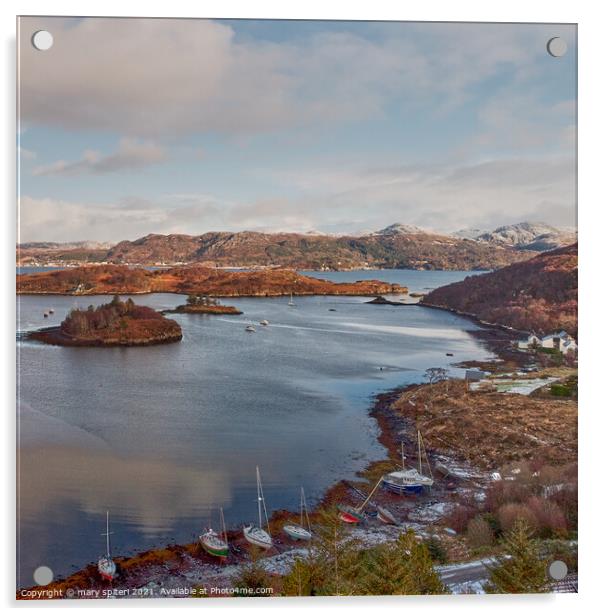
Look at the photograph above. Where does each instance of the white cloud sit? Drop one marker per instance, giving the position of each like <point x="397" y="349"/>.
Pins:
<point x="150" y="77"/>
<point x="438" y="197"/>
<point x="130" y="154"/>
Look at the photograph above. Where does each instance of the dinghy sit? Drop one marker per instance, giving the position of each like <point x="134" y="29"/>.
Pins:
<point x="385" y="516"/>
<point x="298" y="531"/>
<point x="256" y="535"/>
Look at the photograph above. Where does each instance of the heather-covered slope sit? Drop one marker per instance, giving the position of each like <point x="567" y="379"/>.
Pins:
<point x="110" y="279"/>
<point x="537" y="295"/>
<point x="397" y="246"/>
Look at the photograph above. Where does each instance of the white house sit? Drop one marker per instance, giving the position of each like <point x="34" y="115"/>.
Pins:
<point x="530" y="343"/>
<point x="561" y="341"/>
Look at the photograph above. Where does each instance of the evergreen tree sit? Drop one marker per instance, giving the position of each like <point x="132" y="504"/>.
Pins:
<point x="253" y="576"/>
<point x="523" y="571"/>
<point x="401" y="568"/>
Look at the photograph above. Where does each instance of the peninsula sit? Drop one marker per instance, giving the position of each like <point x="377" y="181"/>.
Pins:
<point x="191" y="280"/>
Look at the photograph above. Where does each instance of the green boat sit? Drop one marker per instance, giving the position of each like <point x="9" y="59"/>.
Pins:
<point x="214" y="543"/>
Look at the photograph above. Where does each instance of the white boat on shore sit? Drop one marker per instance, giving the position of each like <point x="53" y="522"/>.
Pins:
<point x="410" y="480"/>
<point x="298" y="531"/>
<point x="256" y="535"/>
<point x="106" y="565"/>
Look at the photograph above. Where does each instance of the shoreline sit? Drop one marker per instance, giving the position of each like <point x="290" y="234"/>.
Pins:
<point x="145" y="567"/>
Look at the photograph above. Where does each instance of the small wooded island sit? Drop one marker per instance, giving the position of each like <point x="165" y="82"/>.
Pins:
<point x="118" y="323"/>
<point x="201" y="304"/>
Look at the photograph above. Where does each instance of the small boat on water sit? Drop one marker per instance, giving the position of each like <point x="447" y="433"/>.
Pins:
<point x="45" y="315"/>
<point x="385" y="516"/>
<point x="256" y="535"/>
<point x="354" y="515"/>
<point x="264" y="322"/>
<point x="216" y="544"/>
<point x="298" y="531"/>
<point x="250" y="328"/>
<point x="106" y="566"/>
<point x="51" y="311"/>
<point x="410" y="480"/>
<point x="290" y="301"/>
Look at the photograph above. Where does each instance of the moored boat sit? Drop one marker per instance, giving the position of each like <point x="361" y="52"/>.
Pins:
<point x="354" y="515"/>
<point x="385" y="516"/>
<point x="106" y="565"/>
<point x="349" y="514"/>
<point x="298" y="531"/>
<point x="250" y="328"/>
<point x="290" y="301"/>
<point x="216" y="544"/>
<point x="256" y="535"/>
<point x="410" y="480"/>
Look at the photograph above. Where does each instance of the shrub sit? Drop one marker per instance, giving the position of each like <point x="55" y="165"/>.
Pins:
<point x="479" y="533"/>
<point x="549" y="516"/>
<point x="510" y="514"/>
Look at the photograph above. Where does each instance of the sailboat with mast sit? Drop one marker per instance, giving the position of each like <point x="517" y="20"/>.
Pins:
<point x="298" y="531"/>
<point x="106" y="565"/>
<point x="290" y="301"/>
<point x="256" y="535"/>
<point x="354" y="515"/>
<point x="410" y="480"/>
<point x="214" y="543"/>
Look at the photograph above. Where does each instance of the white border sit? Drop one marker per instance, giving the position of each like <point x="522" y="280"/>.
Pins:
<point x="582" y="12"/>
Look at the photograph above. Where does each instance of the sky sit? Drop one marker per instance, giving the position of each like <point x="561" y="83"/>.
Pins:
<point x="136" y="126"/>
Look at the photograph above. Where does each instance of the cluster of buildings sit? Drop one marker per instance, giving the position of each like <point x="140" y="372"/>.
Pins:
<point x="561" y="341"/>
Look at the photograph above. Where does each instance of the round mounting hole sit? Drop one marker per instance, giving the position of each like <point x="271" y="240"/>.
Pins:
<point x="43" y="575"/>
<point x="557" y="47"/>
<point x="558" y="570"/>
<point x="42" y="40"/>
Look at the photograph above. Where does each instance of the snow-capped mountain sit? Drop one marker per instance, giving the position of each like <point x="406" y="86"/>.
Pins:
<point x="529" y="236"/>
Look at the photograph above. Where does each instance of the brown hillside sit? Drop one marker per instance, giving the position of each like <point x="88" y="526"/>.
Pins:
<point x="537" y="295"/>
<point x="110" y="279"/>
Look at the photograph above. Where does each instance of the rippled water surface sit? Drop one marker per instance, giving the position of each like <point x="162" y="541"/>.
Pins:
<point x="163" y="435"/>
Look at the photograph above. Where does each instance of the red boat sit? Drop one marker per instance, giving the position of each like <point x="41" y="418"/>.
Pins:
<point x="350" y="515"/>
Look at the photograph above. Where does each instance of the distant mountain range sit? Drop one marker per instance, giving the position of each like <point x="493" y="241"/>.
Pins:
<point x="536" y="236"/>
<point x="539" y="294"/>
<point x="396" y="246"/>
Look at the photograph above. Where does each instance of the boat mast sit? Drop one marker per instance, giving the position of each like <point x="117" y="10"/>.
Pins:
<point x="419" y="455"/>
<point x="425" y="456"/>
<point x="304" y="505"/>
<point x="258" y="496"/>
<point x="370" y="495"/>
<point x="107" y="535"/>
<point x="403" y="458"/>
<point x="224" y="532"/>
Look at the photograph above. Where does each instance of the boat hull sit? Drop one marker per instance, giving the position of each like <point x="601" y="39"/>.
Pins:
<point x="403" y="489"/>
<point x="212" y="550"/>
<point x="349" y="515"/>
<point x="257" y="537"/>
<point x="107" y="569"/>
<point x="296" y="532"/>
<point x="385" y="516"/>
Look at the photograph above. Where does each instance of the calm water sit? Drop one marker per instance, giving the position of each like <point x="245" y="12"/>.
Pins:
<point x="163" y="435"/>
